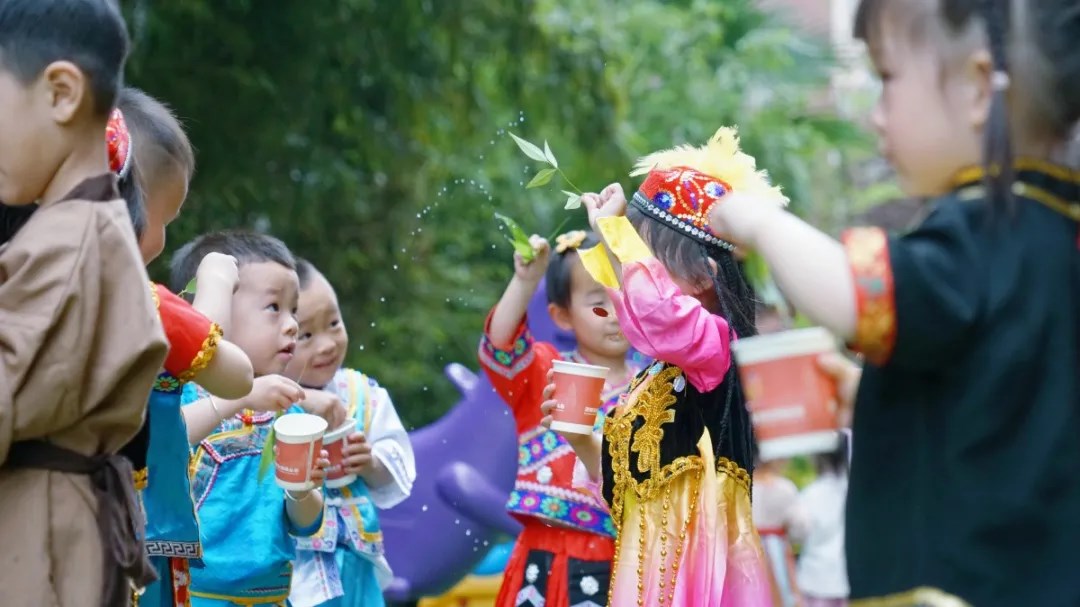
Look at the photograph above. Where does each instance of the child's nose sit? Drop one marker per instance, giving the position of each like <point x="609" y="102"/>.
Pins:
<point x="291" y="327"/>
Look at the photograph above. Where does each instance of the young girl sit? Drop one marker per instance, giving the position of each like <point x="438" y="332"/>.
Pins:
<point x="343" y="564"/>
<point x="563" y="555"/>
<point x="822" y="569"/>
<point x="150" y="154"/>
<point x="774" y="500"/>
<point x="962" y="486"/>
<point x="676" y="458"/>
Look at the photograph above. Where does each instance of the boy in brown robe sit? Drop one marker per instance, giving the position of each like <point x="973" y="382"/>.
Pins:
<point x="80" y="341"/>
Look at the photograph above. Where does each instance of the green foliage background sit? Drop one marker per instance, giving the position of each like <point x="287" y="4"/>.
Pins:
<point x="370" y="136"/>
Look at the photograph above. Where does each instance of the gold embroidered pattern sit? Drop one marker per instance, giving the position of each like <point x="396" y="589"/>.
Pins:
<point x="141" y="478"/>
<point x="205" y="355"/>
<point x="919" y="597"/>
<point x="875" y="325"/>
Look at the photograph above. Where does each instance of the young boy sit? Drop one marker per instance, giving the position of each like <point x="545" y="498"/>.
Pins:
<point x="246" y="523"/>
<point x="343" y="565"/>
<point x="80" y="341"/>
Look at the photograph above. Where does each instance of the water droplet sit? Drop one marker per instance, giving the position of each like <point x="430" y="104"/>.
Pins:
<point x="468" y="532"/>
<point x="372" y="325"/>
<point x="361" y="346"/>
<point x="382" y="299"/>
<point x="457" y="521"/>
<point x="395" y="266"/>
<point x="423" y="508"/>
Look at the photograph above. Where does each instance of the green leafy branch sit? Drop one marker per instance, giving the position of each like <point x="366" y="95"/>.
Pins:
<point x="518" y="238"/>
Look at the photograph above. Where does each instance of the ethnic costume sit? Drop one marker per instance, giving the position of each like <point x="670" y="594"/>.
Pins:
<point x="80" y="344"/>
<point x="160" y="453"/>
<point x="677" y="454"/>
<point x="343" y="565"/>
<point x="562" y="558"/>
<point x="963" y="488"/>
<point x="248" y="539"/>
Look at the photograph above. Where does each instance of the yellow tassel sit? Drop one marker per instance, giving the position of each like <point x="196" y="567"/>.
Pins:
<point x="719" y="158"/>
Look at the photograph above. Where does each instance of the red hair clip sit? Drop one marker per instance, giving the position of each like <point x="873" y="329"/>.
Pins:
<point x="118" y="141"/>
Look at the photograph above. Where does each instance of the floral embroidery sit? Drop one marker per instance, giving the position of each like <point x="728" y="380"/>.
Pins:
<point x="554" y="507"/>
<point x="140" y="478"/>
<point x="511" y="361"/>
<point x="875" y="328"/>
<point x="167" y="383"/>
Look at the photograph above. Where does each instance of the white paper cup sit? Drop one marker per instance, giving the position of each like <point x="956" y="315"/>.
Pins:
<point x="335" y="442"/>
<point x="791" y="400"/>
<point x="299" y="441"/>
<point x="578" y="390"/>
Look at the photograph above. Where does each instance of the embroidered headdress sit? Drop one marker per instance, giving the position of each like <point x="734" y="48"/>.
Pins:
<point x="118" y="141"/>
<point x="683" y="184"/>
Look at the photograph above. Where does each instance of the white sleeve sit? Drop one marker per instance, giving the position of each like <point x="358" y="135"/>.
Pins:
<point x="391" y="446"/>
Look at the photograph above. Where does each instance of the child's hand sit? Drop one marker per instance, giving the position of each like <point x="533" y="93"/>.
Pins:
<point x="318" y="469"/>
<point x="611" y="202"/>
<point x="326" y="405"/>
<point x="534" y="270"/>
<point x="737" y="217"/>
<point x="272" y="393"/>
<point x="847" y="375"/>
<point x="217" y="270"/>
<point x="358" y="457"/>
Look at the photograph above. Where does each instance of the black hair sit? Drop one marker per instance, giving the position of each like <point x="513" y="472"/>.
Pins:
<point x="557" y="279"/>
<point x="89" y="33"/>
<point x="835" y="461"/>
<point x="157" y="139"/>
<point x="688" y="258"/>
<point x="1049" y="27"/>
<point x="305" y="272"/>
<point x="246" y="247"/>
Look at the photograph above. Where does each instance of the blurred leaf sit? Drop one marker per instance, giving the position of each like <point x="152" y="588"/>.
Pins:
<point x="542" y="178"/>
<point x="549" y="156"/>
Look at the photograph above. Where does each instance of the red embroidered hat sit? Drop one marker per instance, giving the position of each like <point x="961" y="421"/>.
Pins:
<point x="118" y="140"/>
<point x="683" y="184"/>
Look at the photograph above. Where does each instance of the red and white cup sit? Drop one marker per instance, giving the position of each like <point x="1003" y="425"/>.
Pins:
<point x="298" y="438"/>
<point x="792" y="402"/>
<point x="335" y="442"/>
<point x="578" y="392"/>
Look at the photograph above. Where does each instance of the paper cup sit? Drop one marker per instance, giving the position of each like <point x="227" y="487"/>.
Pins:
<point x="335" y="442"/>
<point x="792" y="402"/>
<point x="578" y="389"/>
<point x="299" y="441"/>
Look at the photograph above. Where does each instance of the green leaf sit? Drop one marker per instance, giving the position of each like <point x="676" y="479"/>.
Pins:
<point x="190" y="288"/>
<point x="541" y="178"/>
<point x="573" y="201"/>
<point x="549" y="156"/>
<point x="266" y="459"/>
<point x="518" y="238"/>
<point x="529" y="149"/>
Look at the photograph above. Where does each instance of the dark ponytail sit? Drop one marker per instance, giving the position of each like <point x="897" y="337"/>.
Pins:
<point x="997" y="146"/>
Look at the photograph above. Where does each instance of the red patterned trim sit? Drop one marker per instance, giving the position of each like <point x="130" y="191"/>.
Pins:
<point x="875" y="292"/>
<point x="181" y="582"/>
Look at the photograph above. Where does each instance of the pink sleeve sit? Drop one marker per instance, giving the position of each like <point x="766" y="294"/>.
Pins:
<point x="661" y="322"/>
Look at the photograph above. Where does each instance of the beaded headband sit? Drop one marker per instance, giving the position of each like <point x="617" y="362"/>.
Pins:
<point x="118" y="141"/>
<point x="683" y="184"/>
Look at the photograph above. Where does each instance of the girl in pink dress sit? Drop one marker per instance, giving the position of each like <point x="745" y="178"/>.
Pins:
<point x="676" y="456"/>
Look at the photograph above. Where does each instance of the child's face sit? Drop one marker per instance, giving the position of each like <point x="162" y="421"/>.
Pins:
<point x="27" y="150"/>
<point x="323" y="341"/>
<point x="595" y="334"/>
<point x="263" y="316"/>
<point x="165" y="195"/>
<point x="930" y="115"/>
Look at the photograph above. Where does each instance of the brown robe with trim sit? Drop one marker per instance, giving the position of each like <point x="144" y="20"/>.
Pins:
<point x="80" y="345"/>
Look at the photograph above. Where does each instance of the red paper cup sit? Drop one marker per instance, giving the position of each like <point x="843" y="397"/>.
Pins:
<point x="792" y="402"/>
<point x="578" y="389"/>
<point x="335" y="442"/>
<point x="299" y="441"/>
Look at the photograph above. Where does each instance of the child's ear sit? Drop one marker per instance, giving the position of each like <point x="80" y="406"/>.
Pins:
<point x="67" y="90"/>
<point x="979" y="76"/>
<point x="560" y="316"/>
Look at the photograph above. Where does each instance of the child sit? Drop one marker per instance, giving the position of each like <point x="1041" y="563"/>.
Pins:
<point x="963" y="483"/>
<point x="147" y="158"/>
<point x="822" y="570"/>
<point x="677" y="455"/>
<point x="563" y="555"/>
<point x="343" y="564"/>
<point x="246" y="522"/>
<point x="79" y="336"/>
<point x="773" y="502"/>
